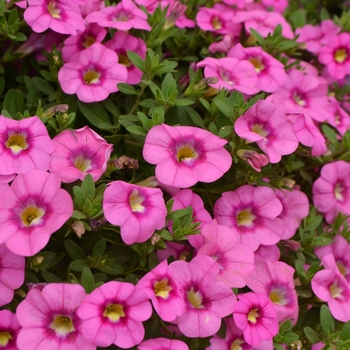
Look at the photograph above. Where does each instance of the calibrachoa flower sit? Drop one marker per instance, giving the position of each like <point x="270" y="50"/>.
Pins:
<point x="31" y="210"/>
<point x="253" y="213"/>
<point x="78" y="153"/>
<point x="161" y="288"/>
<point x="113" y="314"/>
<point x="24" y="145"/>
<point x="255" y="315"/>
<point x="139" y="211"/>
<point x="266" y="124"/>
<point x="11" y="274"/>
<point x="331" y="191"/>
<point x="49" y="319"/>
<point x="161" y="344"/>
<point x="9" y="328"/>
<point x="93" y="75"/>
<point x="185" y="155"/>
<point x="123" y="16"/>
<point x="61" y="17"/>
<point x="207" y="301"/>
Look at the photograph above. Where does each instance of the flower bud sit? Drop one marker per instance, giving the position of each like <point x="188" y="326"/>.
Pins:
<point x="78" y="227"/>
<point x="254" y="159"/>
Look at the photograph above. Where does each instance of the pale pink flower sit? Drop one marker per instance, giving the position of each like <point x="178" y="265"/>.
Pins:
<point x="232" y="74"/>
<point x="31" y="210"/>
<point x="253" y="213"/>
<point x="185" y="155"/>
<point x="9" y="329"/>
<point x="139" y="211"/>
<point x="123" y="16"/>
<point x="93" y="75"/>
<point x="49" y="319"/>
<point x="255" y="315"/>
<point x="11" y="274"/>
<point x="113" y="314"/>
<point x="331" y="287"/>
<point x="207" y="300"/>
<point x="161" y="344"/>
<point x="331" y="191"/>
<point x="161" y="288"/>
<point x="270" y="72"/>
<point x="123" y="42"/>
<point x="24" y="145"/>
<point x="266" y="124"/>
<point x="78" y="153"/>
<point x="60" y="17"/>
<point x="336" y="56"/>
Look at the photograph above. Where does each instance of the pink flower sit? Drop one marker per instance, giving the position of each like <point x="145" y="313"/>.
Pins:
<point x="78" y="153"/>
<point x="49" y="319"/>
<point x="139" y="211"/>
<point x="185" y="155"/>
<point x="161" y="344"/>
<point x="60" y="17"/>
<point x="252" y="212"/>
<point x="222" y="46"/>
<point x="256" y="316"/>
<point x="24" y="145"/>
<point x="267" y="252"/>
<point x="123" y="42"/>
<point x="123" y="16"/>
<point x="336" y="56"/>
<point x="275" y="280"/>
<point x="161" y="288"/>
<point x="266" y="124"/>
<point x="91" y="6"/>
<point x="73" y="45"/>
<point x="233" y="74"/>
<point x="236" y="260"/>
<point x="339" y="118"/>
<point x="31" y="210"/>
<point x="93" y="75"/>
<point x="331" y="287"/>
<point x="275" y="5"/>
<point x="331" y="191"/>
<point x="11" y="274"/>
<point x="113" y="314"/>
<point x="270" y="72"/>
<point x="9" y="328"/>
<point x="207" y="301"/>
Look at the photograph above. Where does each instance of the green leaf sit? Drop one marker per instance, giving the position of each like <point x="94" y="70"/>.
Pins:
<point x="79" y="196"/>
<point x="112" y="269"/>
<point x="311" y="335"/>
<point x="225" y="131"/>
<point x="345" y="332"/>
<point x="78" y="215"/>
<point x="88" y="186"/>
<point x="13" y="102"/>
<point x="329" y="133"/>
<point x="78" y="265"/>
<point x="257" y="36"/>
<point x="99" y="248"/>
<point x="127" y="89"/>
<point x="195" y="117"/>
<point x="316" y="221"/>
<point x="50" y="277"/>
<point x="96" y="115"/>
<point x="13" y="16"/>
<point x="136" y="130"/>
<point x="224" y="108"/>
<point x="183" y="102"/>
<point x="73" y="250"/>
<point x="327" y="320"/>
<point x="168" y="85"/>
<point x="87" y="280"/>
<point x="277" y="31"/>
<point x="136" y="60"/>
<point x="42" y="85"/>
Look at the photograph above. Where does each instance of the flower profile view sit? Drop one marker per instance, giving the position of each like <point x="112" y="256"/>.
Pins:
<point x="185" y="155"/>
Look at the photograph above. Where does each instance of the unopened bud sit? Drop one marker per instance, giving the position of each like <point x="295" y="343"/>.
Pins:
<point x="286" y="182"/>
<point x="36" y="261"/>
<point x="254" y="159"/>
<point x="78" y="227"/>
<point x="21" y="293"/>
<point x="149" y="182"/>
<point x="205" y="82"/>
<point x="177" y="10"/>
<point x="39" y="286"/>
<point x="293" y="245"/>
<point x="125" y="162"/>
<point x="50" y="112"/>
<point x="155" y="238"/>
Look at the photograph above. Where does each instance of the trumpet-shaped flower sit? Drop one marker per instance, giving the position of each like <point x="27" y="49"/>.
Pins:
<point x="31" y="210"/>
<point x="49" y="319"/>
<point x="9" y="328"/>
<point x="78" y="153"/>
<point x="185" y="155"/>
<point x="93" y="75"/>
<point x="161" y="344"/>
<point x="24" y="145"/>
<point x="139" y="211"/>
<point x="113" y="314"/>
<point x="11" y="274"/>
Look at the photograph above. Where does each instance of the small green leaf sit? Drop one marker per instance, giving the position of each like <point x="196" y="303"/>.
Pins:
<point x="78" y="215"/>
<point x="79" y="196"/>
<point x="42" y="85"/>
<point x="127" y="89"/>
<point x="50" y="277"/>
<point x="311" y="335"/>
<point x="87" y="280"/>
<point x="78" y="265"/>
<point x="99" y="248"/>
<point x="112" y="269"/>
<point x="88" y="186"/>
<point x="95" y="114"/>
<point x="73" y="250"/>
<point x="136" y="130"/>
<point x="195" y="117"/>
<point x="136" y="60"/>
<point x="327" y="320"/>
<point x="345" y="332"/>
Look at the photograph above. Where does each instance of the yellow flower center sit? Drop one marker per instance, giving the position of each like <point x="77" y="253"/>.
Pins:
<point x="186" y="153"/>
<point x="17" y="143"/>
<point x="259" y="129"/>
<point x="83" y="164"/>
<point x="5" y="337"/>
<point x="335" y="290"/>
<point x="340" y="55"/>
<point x="89" y="40"/>
<point x="338" y="192"/>
<point x="253" y="315"/>
<point x="236" y="345"/>
<point x="195" y="299"/>
<point x="342" y="268"/>
<point x="92" y="77"/>
<point x="277" y="297"/>
<point x="258" y="65"/>
<point x="245" y="218"/>
<point x="62" y="325"/>
<point x="32" y="215"/>
<point x="114" y="312"/>
<point x="216" y="23"/>
<point x="124" y="60"/>
<point x="53" y="10"/>
<point x="162" y="289"/>
<point x="136" y="201"/>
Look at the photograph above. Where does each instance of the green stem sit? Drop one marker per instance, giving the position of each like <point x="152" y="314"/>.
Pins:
<point x="143" y="87"/>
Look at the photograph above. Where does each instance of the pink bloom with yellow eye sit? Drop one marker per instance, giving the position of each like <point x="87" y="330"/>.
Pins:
<point x="24" y="145"/>
<point x="9" y="329"/>
<point x="31" y="210"/>
<point x="94" y="74"/>
<point x="78" y="153"/>
<point x="161" y="344"/>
